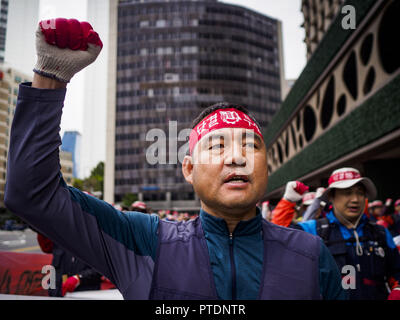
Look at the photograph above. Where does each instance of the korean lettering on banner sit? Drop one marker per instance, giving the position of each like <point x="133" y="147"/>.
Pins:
<point x="21" y="273"/>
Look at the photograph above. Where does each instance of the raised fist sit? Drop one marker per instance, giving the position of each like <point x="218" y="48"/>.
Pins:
<point x="294" y="191"/>
<point x="64" y="47"/>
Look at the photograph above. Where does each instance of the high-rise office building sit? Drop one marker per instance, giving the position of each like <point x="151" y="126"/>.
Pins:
<point x="173" y="59"/>
<point x="3" y="27"/>
<point x="71" y="142"/>
<point x="318" y="16"/>
<point x="67" y="166"/>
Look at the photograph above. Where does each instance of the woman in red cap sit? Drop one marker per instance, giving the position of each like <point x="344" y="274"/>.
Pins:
<point x="354" y="240"/>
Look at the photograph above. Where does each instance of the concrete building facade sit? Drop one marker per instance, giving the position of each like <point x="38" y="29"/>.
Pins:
<point x="67" y="166"/>
<point x="71" y="142"/>
<point x="9" y="85"/>
<point x="344" y="108"/>
<point x="318" y="16"/>
<point x="3" y="28"/>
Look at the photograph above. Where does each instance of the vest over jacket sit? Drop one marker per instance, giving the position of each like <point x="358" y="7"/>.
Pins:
<point x="290" y="268"/>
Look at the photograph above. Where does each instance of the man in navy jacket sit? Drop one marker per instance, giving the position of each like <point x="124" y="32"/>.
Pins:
<point x="229" y="252"/>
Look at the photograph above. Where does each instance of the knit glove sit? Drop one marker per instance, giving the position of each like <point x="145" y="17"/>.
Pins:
<point x="320" y="191"/>
<point x="70" y="285"/>
<point x="64" y="47"/>
<point x="294" y="191"/>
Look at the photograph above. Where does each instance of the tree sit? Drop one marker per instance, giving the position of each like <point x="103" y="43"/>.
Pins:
<point x="93" y="183"/>
<point x="128" y="199"/>
<point x="78" y="183"/>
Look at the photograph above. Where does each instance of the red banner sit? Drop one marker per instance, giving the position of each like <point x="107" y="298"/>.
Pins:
<point x="21" y="273"/>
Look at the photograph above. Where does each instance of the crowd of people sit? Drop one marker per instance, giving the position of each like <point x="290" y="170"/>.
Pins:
<point x="312" y="205"/>
<point x="357" y="233"/>
<point x="168" y="215"/>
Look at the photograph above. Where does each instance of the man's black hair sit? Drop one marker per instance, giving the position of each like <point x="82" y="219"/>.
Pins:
<point x="222" y="105"/>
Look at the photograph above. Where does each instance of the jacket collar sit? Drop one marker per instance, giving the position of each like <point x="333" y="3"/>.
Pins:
<point x="332" y="219"/>
<point x="216" y="225"/>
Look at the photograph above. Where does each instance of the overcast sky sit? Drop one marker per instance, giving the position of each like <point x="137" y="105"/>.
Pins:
<point x="287" y="11"/>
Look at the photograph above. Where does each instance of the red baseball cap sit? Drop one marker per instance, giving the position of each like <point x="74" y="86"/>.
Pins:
<point x="308" y="198"/>
<point x="139" y="204"/>
<point x="376" y="203"/>
<point x="344" y="178"/>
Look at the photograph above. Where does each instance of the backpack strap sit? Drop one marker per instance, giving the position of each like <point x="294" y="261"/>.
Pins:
<point x="323" y="229"/>
<point x="378" y="233"/>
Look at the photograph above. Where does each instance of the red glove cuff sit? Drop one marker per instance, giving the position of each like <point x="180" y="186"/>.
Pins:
<point x="69" y="33"/>
<point x="301" y="187"/>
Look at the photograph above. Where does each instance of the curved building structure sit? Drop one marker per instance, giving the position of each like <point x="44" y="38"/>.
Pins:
<point x="173" y="60"/>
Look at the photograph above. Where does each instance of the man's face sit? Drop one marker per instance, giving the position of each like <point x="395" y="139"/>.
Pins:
<point x="229" y="169"/>
<point x="397" y="208"/>
<point x="349" y="202"/>
<point x="377" y="211"/>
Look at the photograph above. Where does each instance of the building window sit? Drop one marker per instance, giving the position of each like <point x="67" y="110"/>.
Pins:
<point x="161" y="23"/>
<point x="144" y="24"/>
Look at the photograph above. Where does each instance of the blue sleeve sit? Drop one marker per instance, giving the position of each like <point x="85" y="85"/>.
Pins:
<point x="389" y="240"/>
<point x="309" y="226"/>
<point x="312" y="210"/>
<point x="120" y="246"/>
<point x="135" y="230"/>
<point x="329" y="277"/>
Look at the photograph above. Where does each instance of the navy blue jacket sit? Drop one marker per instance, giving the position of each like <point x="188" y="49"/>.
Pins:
<point x="123" y="246"/>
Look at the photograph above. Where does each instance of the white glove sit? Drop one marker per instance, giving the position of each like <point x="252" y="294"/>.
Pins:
<point x="64" y="47"/>
<point x="320" y="191"/>
<point x="294" y="191"/>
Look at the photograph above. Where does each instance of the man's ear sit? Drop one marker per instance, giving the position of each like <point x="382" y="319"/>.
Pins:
<point x="187" y="169"/>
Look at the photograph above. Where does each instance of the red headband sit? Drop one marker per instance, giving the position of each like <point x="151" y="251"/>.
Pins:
<point x="341" y="176"/>
<point x="219" y="119"/>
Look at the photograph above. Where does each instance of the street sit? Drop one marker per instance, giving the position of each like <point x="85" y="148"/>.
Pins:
<point x="19" y="241"/>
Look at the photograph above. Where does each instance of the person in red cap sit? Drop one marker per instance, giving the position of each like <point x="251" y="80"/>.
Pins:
<point x="139" y="206"/>
<point x="229" y="252"/>
<point x="285" y="213"/>
<point x="396" y="219"/>
<point x="376" y="208"/>
<point x="354" y="240"/>
<point x="317" y="208"/>
<point x="380" y="213"/>
<point x="397" y="207"/>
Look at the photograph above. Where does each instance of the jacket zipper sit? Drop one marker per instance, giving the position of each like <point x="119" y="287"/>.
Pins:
<point x="233" y="269"/>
